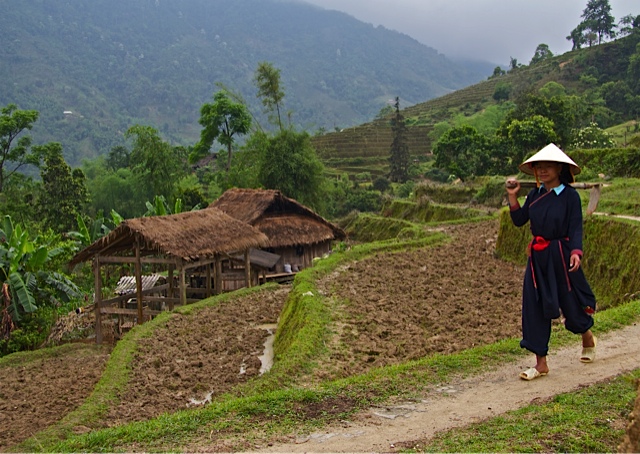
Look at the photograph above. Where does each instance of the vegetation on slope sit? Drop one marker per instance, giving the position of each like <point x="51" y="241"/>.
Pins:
<point x="114" y="64"/>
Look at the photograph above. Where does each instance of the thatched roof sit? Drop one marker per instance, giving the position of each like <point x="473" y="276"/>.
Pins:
<point x="190" y="236"/>
<point x="285" y="221"/>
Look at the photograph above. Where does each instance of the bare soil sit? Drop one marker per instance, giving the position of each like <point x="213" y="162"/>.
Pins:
<point x="390" y="308"/>
<point x="196" y="357"/>
<point x="407" y="305"/>
<point x="36" y="393"/>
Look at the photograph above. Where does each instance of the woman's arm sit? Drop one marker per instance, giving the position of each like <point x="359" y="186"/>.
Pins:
<point x="575" y="230"/>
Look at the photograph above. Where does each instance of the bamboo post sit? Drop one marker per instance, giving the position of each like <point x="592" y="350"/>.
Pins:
<point x="217" y="284"/>
<point x="171" y="286"/>
<point x="97" y="298"/>
<point x="183" y="285"/>
<point x="139" y="283"/>
<point x="247" y="268"/>
<point x="208" y="277"/>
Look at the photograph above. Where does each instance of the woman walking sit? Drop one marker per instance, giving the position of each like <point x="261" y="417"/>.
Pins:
<point x="554" y="282"/>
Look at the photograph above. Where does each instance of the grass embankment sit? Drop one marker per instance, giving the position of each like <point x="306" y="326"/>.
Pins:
<point x="276" y="404"/>
<point x="620" y="196"/>
<point x="408" y="220"/>
<point x="590" y="420"/>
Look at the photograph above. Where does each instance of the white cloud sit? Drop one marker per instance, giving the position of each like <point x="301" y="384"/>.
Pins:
<point x="493" y="30"/>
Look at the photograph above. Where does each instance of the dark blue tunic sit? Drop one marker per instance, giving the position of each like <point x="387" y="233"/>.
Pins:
<point x="549" y="287"/>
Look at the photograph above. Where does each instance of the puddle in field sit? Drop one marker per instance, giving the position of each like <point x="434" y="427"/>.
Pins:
<point x="266" y="359"/>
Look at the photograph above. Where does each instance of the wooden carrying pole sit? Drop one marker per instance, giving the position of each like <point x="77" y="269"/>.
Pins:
<point x="594" y="195"/>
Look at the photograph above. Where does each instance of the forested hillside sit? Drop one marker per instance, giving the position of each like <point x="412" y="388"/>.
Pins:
<point x="592" y="86"/>
<point x="112" y="64"/>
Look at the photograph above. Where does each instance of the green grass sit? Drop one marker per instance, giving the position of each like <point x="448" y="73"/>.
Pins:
<point x="620" y="196"/>
<point x="590" y="420"/>
<point x="19" y="359"/>
<point x="624" y="132"/>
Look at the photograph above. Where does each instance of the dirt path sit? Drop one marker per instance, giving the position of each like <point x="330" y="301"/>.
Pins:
<point x="474" y="399"/>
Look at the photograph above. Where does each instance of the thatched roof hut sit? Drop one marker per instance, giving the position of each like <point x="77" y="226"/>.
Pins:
<point x="295" y="231"/>
<point x="284" y="220"/>
<point x="189" y="236"/>
<point x="181" y="242"/>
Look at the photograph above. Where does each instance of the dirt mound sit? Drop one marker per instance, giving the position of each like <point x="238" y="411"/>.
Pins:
<point x="37" y="393"/>
<point x="403" y="306"/>
<point x="198" y="356"/>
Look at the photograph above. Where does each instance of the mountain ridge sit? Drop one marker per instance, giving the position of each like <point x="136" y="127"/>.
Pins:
<point x="118" y="63"/>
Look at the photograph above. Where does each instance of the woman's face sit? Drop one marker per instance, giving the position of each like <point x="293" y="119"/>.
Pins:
<point x="548" y="172"/>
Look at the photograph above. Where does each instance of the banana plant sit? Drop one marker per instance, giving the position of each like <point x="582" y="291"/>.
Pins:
<point x="160" y="207"/>
<point x="116" y="218"/>
<point x="23" y="270"/>
<point x="86" y="235"/>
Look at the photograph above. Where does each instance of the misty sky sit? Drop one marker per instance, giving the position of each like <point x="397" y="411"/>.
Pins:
<point x="492" y="30"/>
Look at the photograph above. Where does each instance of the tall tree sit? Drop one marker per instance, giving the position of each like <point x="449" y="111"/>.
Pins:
<point x="290" y="164"/>
<point x="597" y="18"/>
<point x="156" y="161"/>
<point x="577" y="37"/>
<point x="628" y="24"/>
<point x="12" y="123"/>
<point x="558" y="110"/>
<point x="64" y="191"/>
<point x="530" y="134"/>
<point x="463" y="152"/>
<point x="223" y="120"/>
<point x="118" y="158"/>
<point x="542" y="53"/>
<point x="399" y="155"/>
<point x="267" y="79"/>
<point x="18" y="197"/>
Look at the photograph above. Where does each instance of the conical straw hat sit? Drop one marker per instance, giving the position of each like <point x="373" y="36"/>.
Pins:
<point x="549" y="153"/>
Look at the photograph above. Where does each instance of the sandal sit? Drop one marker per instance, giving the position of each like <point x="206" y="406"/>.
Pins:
<point x="531" y="374"/>
<point x="589" y="353"/>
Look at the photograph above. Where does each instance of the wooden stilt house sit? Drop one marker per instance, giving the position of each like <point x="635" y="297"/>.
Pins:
<point x="296" y="233"/>
<point x="183" y="244"/>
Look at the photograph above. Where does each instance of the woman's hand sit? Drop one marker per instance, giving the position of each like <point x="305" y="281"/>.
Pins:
<point x="513" y="186"/>
<point x="574" y="262"/>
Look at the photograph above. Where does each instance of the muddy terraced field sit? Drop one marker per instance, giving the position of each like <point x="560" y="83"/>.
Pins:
<point x="389" y="308"/>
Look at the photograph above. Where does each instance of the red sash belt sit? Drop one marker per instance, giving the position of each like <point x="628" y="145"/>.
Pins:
<point x="539" y="243"/>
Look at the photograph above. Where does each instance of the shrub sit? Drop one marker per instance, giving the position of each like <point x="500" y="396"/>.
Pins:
<point x="381" y="184"/>
<point x="614" y="162"/>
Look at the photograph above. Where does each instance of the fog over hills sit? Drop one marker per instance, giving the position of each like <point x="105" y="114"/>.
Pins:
<point x="113" y="63"/>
